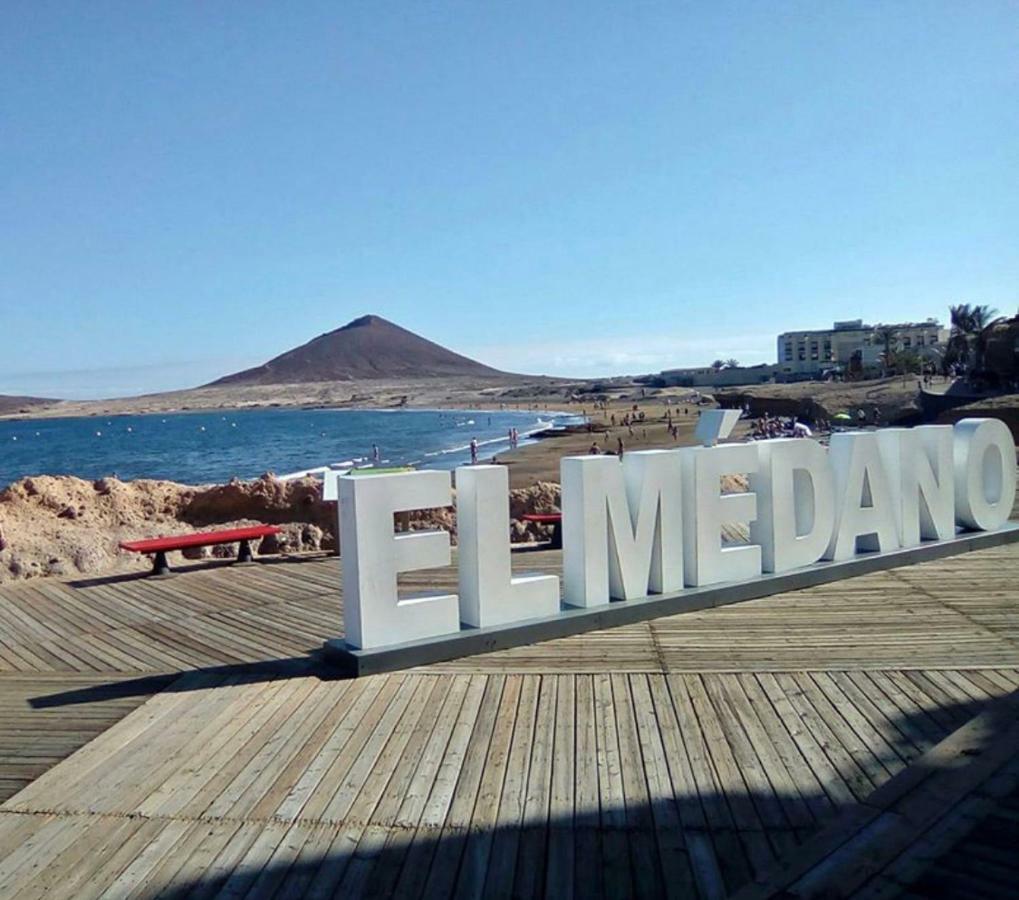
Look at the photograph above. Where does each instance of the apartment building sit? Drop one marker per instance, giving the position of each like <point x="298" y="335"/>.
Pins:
<point x="812" y="353"/>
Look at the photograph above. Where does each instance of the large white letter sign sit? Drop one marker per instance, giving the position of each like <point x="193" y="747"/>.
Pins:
<point x="984" y="473"/>
<point x="864" y="511"/>
<point x="489" y="595"/>
<point x="795" y="503"/>
<point x="622" y="526"/>
<point x="706" y="509"/>
<point x="373" y="613"/>
<point x="918" y="462"/>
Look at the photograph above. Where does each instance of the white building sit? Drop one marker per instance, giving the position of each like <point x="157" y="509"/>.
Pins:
<point x="810" y="353"/>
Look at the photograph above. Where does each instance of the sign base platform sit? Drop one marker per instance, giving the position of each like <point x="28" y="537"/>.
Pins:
<point x="574" y="620"/>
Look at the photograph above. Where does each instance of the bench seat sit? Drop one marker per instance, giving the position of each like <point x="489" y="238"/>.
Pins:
<point x="162" y="545"/>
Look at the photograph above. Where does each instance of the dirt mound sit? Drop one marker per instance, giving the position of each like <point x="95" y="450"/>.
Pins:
<point x="64" y="526"/>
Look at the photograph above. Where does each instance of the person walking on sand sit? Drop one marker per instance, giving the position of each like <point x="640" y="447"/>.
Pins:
<point x="619" y="447"/>
<point x="474" y="451"/>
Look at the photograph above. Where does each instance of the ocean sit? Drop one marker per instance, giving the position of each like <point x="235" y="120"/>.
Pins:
<point x="211" y="447"/>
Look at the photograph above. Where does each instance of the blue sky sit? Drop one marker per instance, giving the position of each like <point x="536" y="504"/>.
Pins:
<point x="572" y="188"/>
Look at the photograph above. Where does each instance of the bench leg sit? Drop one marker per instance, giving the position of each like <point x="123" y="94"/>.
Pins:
<point x="244" y="553"/>
<point x="159" y="564"/>
<point x="557" y="536"/>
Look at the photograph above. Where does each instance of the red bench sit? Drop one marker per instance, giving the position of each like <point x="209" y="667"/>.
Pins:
<point x="554" y="519"/>
<point x="162" y="545"/>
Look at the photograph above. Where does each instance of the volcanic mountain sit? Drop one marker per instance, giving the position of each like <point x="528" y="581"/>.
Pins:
<point x="12" y="404"/>
<point x="368" y="347"/>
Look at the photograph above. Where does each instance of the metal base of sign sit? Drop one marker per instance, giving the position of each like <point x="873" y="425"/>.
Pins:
<point x="573" y="620"/>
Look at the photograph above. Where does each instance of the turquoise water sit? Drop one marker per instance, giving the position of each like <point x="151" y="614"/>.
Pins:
<point x="203" y="447"/>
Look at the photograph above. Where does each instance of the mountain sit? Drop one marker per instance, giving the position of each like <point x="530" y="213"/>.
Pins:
<point x="10" y="404"/>
<point x="369" y="347"/>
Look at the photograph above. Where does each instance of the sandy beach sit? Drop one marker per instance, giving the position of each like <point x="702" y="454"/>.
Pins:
<point x="540" y="461"/>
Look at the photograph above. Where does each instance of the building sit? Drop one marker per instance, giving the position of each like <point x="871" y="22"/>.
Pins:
<point x="813" y="353"/>
<point x="706" y="376"/>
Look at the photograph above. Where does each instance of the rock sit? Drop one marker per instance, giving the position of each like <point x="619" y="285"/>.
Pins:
<point x="57" y="567"/>
<point x="68" y="512"/>
<point x="89" y="560"/>
<point x="294" y="538"/>
<point x="543" y="497"/>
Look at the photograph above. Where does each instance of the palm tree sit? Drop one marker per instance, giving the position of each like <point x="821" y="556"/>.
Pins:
<point x="961" y="319"/>
<point x="732" y="363"/>
<point x="971" y="326"/>
<point x="718" y="365"/>
<point x="983" y="321"/>
<point x="888" y="336"/>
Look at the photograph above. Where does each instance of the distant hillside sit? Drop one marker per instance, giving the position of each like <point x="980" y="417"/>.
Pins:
<point x="369" y="347"/>
<point x="10" y="404"/>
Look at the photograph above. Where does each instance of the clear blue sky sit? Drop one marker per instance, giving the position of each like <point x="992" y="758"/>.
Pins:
<point x="577" y="188"/>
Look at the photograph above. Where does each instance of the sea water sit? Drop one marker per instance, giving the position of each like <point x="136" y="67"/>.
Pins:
<point x="208" y="447"/>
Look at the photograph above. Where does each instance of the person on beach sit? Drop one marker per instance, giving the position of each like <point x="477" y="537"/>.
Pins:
<point x="474" y="451"/>
<point x="619" y="447"/>
<point x="594" y="449"/>
<point x="376" y="456"/>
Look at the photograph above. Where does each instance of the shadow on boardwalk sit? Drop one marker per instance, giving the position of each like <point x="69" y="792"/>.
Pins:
<point x="194" y="679"/>
<point x="709" y="842"/>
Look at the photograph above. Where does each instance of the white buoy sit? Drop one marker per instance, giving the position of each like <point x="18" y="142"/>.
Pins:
<point x="99" y="434"/>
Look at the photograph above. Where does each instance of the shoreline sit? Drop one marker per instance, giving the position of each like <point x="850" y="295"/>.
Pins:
<point x="383" y="395"/>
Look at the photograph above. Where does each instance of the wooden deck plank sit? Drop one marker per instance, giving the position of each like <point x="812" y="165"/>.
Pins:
<point x="678" y="756"/>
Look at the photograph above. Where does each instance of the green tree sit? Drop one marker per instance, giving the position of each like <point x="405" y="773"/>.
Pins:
<point x="961" y="321"/>
<point x="984" y="320"/>
<point x="717" y="365"/>
<point x="732" y="363"/>
<point x="971" y="327"/>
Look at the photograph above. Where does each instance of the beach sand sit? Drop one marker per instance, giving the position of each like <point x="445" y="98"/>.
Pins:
<point x="540" y="461"/>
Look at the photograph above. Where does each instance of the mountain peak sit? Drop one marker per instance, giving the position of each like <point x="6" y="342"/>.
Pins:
<point x="361" y="321"/>
<point x="365" y="348"/>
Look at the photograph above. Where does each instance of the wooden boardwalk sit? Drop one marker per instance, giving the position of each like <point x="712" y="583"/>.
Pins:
<point x="694" y="756"/>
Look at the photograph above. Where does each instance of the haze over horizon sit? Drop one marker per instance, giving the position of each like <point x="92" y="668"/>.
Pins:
<point x="586" y="190"/>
